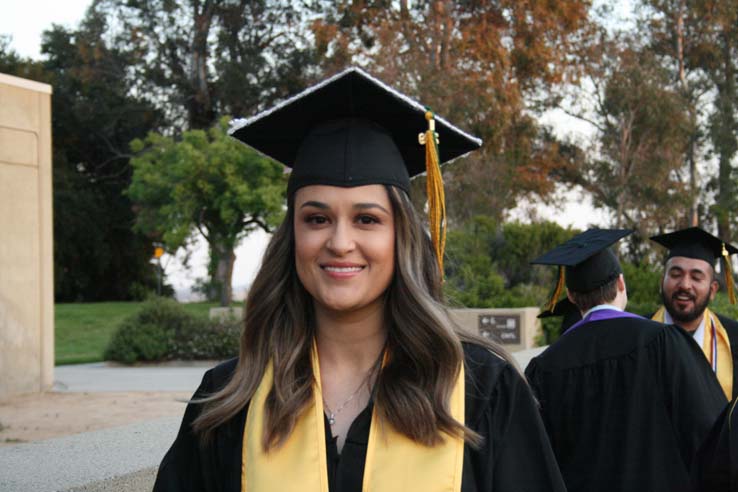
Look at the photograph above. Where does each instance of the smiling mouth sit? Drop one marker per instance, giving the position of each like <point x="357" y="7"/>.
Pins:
<point x="683" y="298"/>
<point x="334" y="269"/>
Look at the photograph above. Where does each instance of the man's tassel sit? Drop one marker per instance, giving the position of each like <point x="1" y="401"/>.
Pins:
<point x="729" y="284"/>
<point x="557" y="291"/>
<point x="434" y="189"/>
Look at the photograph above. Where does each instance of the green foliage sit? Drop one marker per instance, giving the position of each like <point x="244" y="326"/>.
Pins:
<point x="722" y="305"/>
<point x="206" y="182"/>
<point x="488" y="266"/>
<point x="83" y="330"/>
<point x="163" y="329"/>
<point x="643" y="282"/>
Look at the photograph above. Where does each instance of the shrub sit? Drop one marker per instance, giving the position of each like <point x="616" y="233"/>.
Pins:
<point x="163" y="330"/>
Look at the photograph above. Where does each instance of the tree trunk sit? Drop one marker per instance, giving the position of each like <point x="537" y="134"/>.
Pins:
<point x="693" y="218"/>
<point x="724" y="139"/>
<point x="224" y="258"/>
<point x="200" y="105"/>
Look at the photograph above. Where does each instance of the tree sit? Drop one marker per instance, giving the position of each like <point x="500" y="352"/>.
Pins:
<point x="702" y="37"/>
<point x="643" y="128"/>
<point x="200" y="59"/>
<point x="209" y="183"/>
<point x="482" y="65"/>
<point x="94" y="116"/>
<point x="673" y="34"/>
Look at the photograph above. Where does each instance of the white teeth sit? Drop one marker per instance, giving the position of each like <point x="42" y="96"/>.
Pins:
<point x="342" y="269"/>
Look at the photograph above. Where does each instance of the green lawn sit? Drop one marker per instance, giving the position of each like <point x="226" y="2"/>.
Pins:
<point x="83" y="330"/>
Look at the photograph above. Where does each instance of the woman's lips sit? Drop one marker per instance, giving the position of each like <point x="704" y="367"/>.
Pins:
<point x="342" y="270"/>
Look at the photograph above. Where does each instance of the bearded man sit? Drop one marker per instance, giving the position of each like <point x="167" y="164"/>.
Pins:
<point x="688" y="286"/>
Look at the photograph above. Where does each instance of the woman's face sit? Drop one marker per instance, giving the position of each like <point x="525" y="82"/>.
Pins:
<point x="344" y="245"/>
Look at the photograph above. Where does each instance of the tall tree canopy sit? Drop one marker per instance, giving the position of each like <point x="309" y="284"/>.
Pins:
<point x="635" y="166"/>
<point x="484" y="65"/>
<point x="699" y="41"/>
<point x="201" y="59"/>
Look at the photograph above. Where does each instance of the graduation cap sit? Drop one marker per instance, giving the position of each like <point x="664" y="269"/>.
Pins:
<point x="564" y="309"/>
<point x="699" y="244"/>
<point x="354" y="130"/>
<point x="585" y="262"/>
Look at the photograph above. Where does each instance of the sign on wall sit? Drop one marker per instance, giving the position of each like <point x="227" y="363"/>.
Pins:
<point x="502" y="328"/>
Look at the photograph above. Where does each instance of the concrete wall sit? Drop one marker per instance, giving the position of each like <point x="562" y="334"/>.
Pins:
<point x="26" y="249"/>
<point x="515" y="329"/>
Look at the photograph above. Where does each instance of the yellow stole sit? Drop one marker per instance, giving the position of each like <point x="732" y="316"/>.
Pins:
<point x="724" y="370"/>
<point x="393" y="463"/>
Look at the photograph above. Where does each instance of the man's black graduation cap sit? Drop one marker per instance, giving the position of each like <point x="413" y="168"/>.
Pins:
<point x="350" y="130"/>
<point x="562" y="308"/>
<point x="696" y="243"/>
<point x="585" y="261"/>
<point x="566" y="310"/>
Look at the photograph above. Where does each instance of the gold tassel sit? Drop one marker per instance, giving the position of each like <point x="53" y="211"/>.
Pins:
<point x="434" y="189"/>
<point x="557" y="291"/>
<point x="729" y="285"/>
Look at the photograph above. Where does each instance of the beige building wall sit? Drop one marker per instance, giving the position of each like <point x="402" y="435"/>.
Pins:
<point x="26" y="248"/>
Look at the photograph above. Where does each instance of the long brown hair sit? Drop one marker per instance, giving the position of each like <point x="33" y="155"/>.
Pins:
<point x="424" y="345"/>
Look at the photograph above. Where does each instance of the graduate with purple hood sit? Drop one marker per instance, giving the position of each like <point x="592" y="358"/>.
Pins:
<point x="626" y="401"/>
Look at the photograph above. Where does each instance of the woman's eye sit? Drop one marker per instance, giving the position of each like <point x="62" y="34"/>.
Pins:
<point x="367" y="220"/>
<point x="316" y="219"/>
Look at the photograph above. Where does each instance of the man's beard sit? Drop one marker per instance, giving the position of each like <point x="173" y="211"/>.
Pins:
<point x="685" y="316"/>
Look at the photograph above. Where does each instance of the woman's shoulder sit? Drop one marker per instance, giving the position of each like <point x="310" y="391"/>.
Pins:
<point x="495" y="388"/>
<point x="486" y="370"/>
<point x="480" y="358"/>
<point x="217" y="377"/>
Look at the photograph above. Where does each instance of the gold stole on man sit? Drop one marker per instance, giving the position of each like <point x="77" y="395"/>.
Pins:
<point x="724" y="370"/>
<point x="394" y="463"/>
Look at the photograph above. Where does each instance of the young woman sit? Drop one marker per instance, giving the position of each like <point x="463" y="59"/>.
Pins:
<point x="351" y="374"/>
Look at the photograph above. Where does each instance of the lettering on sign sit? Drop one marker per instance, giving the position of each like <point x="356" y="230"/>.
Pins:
<point x="502" y="328"/>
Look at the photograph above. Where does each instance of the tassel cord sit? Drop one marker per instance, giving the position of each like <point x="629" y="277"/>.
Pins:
<point x="435" y="192"/>
<point x="729" y="283"/>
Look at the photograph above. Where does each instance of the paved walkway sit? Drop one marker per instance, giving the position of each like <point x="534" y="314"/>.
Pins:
<point x="103" y="377"/>
<point x="84" y="459"/>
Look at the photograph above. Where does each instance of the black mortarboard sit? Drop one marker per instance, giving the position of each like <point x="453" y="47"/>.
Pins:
<point x="696" y="243"/>
<point x="585" y="261"/>
<point x="562" y="308"/>
<point x="354" y="130"/>
<point x="350" y="130"/>
<point x="567" y="310"/>
<point x="699" y="244"/>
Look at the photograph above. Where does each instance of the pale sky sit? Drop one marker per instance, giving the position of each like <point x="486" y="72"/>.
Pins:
<point x="25" y="20"/>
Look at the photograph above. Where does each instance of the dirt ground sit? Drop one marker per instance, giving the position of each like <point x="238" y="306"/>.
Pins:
<point x="34" y="417"/>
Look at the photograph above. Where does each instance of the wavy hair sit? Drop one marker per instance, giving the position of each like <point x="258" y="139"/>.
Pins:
<point x="424" y="345"/>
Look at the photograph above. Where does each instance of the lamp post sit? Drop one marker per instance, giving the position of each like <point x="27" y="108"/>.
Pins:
<point x="158" y="253"/>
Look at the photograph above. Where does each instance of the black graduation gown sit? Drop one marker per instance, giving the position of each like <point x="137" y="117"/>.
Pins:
<point x="716" y="467"/>
<point x="731" y="327"/>
<point x="626" y="403"/>
<point x="516" y="455"/>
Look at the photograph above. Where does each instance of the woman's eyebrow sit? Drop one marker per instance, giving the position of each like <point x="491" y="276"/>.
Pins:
<point x="366" y="206"/>
<point x="316" y="204"/>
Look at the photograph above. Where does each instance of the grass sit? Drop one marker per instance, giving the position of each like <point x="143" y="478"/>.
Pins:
<point x="83" y="330"/>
